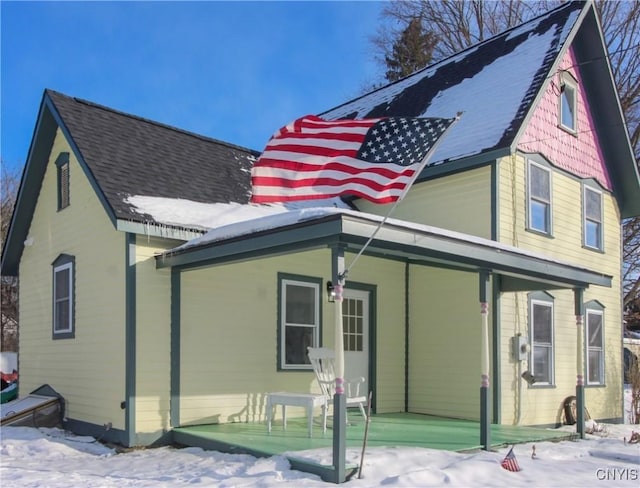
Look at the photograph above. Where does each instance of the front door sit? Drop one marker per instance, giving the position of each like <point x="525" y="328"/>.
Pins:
<point x="355" y="322"/>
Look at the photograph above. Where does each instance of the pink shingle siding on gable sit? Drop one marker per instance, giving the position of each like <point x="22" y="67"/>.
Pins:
<point x="578" y="154"/>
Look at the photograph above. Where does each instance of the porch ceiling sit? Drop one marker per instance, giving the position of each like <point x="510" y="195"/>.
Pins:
<point x="519" y="270"/>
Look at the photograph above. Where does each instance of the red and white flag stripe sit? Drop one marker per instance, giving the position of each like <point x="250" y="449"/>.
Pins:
<point x="315" y="159"/>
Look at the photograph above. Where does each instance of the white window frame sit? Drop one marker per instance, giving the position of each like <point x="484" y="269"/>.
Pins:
<point x="586" y="219"/>
<point x="63" y="331"/>
<point x="548" y="347"/>
<point x="596" y="348"/>
<point x="568" y="92"/>
<point x="315" y="285"/>
<point x="531" y="199"/>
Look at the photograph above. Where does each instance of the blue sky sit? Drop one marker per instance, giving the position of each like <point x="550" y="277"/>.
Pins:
<point x="235" y="71"/>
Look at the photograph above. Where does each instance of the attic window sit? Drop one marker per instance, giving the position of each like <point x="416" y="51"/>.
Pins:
<point x="62" y="163"/>
<point x="568" y="103"/>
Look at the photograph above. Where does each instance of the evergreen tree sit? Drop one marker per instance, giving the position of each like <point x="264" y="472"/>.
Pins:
<point x="412" y="51"/>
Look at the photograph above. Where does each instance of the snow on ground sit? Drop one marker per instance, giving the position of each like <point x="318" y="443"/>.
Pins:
<point x="52" y="458"/>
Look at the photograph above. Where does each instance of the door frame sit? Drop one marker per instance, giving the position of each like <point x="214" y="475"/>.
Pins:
<point x="373" y="292"/>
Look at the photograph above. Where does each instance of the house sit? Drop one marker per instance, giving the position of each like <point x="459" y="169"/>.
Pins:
<point x="502" y="262"/>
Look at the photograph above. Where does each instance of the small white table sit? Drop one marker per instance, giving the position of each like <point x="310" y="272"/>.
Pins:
<point x="306" y="400"/>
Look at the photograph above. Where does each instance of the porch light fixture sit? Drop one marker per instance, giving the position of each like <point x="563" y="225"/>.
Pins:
<point x="331" y="294"/>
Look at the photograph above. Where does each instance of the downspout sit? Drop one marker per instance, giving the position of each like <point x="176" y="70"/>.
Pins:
<point x="579" y="311"/>
<point x="129" y="403"/>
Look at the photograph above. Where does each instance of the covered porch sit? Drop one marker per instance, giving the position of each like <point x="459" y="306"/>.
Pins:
<point x="301" y="241"/>
<point x="385" y="430"/>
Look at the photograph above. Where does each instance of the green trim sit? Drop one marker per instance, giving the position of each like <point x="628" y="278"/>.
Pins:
<point x="326" y="472"/>
<point x="495" y="199"/>
<point x="80" y="427"/>
<point x="63" y="179"/>
<point x="280" y="319"/>
<point x="30" y="184"/>
<point x="174" y="402"/>
<point x="497" y="350"/>
<point x="63" y="260"/>
<point x="373" y="327"/>
<point x="130" y="341"/>
<point x="462" y="165"/>
<point x="402" y="240"/>
<point x="407" y="322"/>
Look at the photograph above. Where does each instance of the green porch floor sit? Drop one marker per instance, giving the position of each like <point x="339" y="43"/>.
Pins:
<point x="400" y="429"/>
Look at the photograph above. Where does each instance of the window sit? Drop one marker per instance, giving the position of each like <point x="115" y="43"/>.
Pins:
<point x="63" y="297"/>
<point x="353" y="324"/>
<point x="62" y="163"/>
<point x="592" y="212"/>
<point x="568" y="104"/>
<point x="299" y="320"/>
<point x="541" y="337"/>
<point x="594" y="344"/>
<point x="539" y="196"/>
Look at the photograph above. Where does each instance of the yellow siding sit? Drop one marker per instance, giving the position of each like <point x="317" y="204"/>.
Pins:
<point x="543" y="405"/>
<point x="153" y="336"/>
<point x="460" y="202"/>
<point x="89" y="369"/>
<point x="444" y="343"/>
<point x="229" y="336"/>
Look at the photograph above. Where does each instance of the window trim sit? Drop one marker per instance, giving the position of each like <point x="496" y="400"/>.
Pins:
<point x="567" y="80"/>
<point x="530" y="199"/>
<point x="596" y="308"/>
<point x="285" y="279"/>
<point x="63" y="262"/>
<point x="546" y="300"/>
<point x="63" y="180"/>
<point x="585" y="189"/>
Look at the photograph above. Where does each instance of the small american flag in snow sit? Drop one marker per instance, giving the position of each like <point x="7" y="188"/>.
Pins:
<point x="510" y="463"/>
<point x="376" y="159"/>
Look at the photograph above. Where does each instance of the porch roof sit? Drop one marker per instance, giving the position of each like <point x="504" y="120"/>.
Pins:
<point x="317" y="228"/>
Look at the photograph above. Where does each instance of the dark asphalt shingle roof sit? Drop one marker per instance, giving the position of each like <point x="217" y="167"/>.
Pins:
<point x="129" y="155"/>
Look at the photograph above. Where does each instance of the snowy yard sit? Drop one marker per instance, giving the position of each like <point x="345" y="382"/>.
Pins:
<point x="52" y="458"/>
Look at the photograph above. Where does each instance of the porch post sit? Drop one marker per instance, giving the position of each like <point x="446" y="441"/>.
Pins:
<point x="339" y="399"/>
<point x="485" y="423"/>
<point x="578" y="294"/>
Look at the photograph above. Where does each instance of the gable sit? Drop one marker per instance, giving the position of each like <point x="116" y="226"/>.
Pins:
<point x="578" y="153"/>
<point x="493" y="84"/>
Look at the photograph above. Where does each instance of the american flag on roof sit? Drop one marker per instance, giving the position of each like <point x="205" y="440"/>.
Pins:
<point x="376" y="159"/>
<point x="510" y="463"/>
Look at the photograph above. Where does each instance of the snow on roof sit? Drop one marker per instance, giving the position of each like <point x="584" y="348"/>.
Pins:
<point x="492" y="84"/>
<point x="281" y="219"/>
<point x="207" y="216"/>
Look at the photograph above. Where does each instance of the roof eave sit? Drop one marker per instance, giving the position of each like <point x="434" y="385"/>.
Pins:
<point x="522" y="270"/>
<point x="30" y="183"/>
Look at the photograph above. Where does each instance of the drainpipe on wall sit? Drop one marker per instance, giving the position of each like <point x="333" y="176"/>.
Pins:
<point x="485" y="424"/>
<point x="579" y="311"/>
